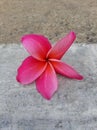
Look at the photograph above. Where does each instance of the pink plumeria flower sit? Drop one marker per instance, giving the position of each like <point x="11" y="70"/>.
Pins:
<point x="44" y="63"/>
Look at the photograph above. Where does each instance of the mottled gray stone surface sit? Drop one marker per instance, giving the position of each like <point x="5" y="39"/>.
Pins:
<point x="73" y="107"/>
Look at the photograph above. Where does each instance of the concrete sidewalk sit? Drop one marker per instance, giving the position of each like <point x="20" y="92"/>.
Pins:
<point x="73" y="107"/>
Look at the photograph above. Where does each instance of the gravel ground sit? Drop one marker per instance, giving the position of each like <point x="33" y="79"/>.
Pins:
<point x="53" y="18"/>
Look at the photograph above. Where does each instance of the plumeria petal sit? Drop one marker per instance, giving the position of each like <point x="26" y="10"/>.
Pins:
<point x="66" y="70"/>
<point x="36" y="45"/>
<point x="30" y="70"/>
<point x="47" y="83"/>
<point x="61" y="46"/>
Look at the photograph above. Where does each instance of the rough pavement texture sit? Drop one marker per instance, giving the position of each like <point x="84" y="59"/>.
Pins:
<point x="53" y="18"/>
<point x="73" y="107"/>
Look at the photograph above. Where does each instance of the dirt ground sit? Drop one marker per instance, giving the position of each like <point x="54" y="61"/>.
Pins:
<point x="53" y="18"/>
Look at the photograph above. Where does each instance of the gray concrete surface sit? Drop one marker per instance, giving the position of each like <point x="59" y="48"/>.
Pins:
<point x="73" y="107"/>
